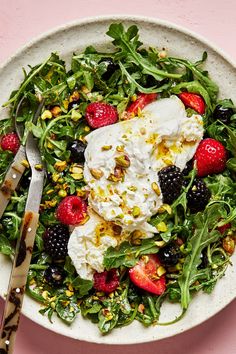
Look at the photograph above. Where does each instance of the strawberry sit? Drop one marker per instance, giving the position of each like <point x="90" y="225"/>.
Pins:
<point x="194" y="101"/>
<point x="144" y="275"/>
<point x="100" y="114"/>
<point x="71" y="210"/>
<point x="210" y="157"/>
<point x="10" y="142"/>
<point x="142" y="100"/>
<point x="106" y="281"/>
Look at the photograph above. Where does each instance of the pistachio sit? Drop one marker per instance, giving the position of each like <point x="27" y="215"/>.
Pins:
<point x="136" y="211"/>
<point x="160" y="243"/>
<point x="120" y="148"/>
<point x="56" y="111"/>
<point x="76" y="169"/>
<point x="156" y="189"/>
<point x="62" y="193"/>
<point x="117" y="175"/>
<point x="132" y="188"/>
<point x="46" y="115"/>
<point x="229" y="244"/>
<point x="25" y="163"/>
<point x="38" y="167"/>
<point x="77" y="176"/>
<point x="143" y="131"/>
<point x="106" y="147"/>
<point x="75" y="115"/>
<point x="60" y="166"/>
<point x="96" y="173"/>
<point x="74" y="96"/>
<point x="161" y="227"/>
<point x="160" y="271"/>
<point x="122" y="161"/>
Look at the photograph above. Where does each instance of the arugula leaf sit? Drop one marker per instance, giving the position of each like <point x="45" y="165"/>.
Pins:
<point x="127" y="255"/>
<point x="5" y="246"/>
<point x="203" y="235"/>
<point x="128" y="43"/>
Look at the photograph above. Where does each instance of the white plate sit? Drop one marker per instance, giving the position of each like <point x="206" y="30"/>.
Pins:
<point x="179" y="42"/>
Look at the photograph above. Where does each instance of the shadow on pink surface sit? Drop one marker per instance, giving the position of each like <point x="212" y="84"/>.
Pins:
<point x="202" y="339"/>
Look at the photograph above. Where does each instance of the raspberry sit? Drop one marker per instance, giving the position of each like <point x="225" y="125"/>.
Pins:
<point x="106" y="281"/>
<point x="10" y="142"/>
<point x="54" y="275"/>
<point x="210" y="157"/>
<point x="198" y="196"/>
<point x="56" y="239"/>
<point x="99" y="114"/>
<point x="71" y="210"/>
<point x="171" y="181"/>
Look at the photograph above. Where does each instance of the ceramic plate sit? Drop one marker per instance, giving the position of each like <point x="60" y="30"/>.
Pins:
<point x="179" y="42"/>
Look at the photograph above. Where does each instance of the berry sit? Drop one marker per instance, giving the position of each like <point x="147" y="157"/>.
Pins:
<point x="77" y="149"/>
<point x="111" y="68"/>
<point x="100" y="114"/>
<point x="224" y="228"/>
<point x="194" y="101"/>
<point x="10" y="142"/>
<point x="188" y="168"/>
<point x="210" y="157"/>
<point x="56" y="239"/>
<point x="71" y="210"/>
<point x="145" y="275"/>
<point x="106" y="281"/>
<point x="25" y="180"/>
<point x="73" y="105"/>
<point x="171" y="181"/>
<point x="204" y="259"/>
<point x="223" y="113"/>
<point x="142" y="100"/>
<point x="54" y="275"/>
<point x="198" y="195"/>
<point x="169" y="255"/>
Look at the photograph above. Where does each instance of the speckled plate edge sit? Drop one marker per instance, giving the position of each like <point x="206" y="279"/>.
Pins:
<point x="135" y="333"/>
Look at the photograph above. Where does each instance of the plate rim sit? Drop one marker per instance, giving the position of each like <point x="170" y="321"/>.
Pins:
<point x="116" y="17"/>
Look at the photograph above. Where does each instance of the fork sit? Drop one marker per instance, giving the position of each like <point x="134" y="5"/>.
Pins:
<point x="24" y="248"/>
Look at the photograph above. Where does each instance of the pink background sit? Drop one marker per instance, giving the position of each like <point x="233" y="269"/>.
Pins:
<point x="20" y="21"/>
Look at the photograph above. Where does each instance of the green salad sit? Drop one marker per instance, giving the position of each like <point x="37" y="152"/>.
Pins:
<point x="178" y="240"/>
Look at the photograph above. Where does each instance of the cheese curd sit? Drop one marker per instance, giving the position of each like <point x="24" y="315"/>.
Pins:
<point x="121" y="171"/>
<point x="122" y="161"/>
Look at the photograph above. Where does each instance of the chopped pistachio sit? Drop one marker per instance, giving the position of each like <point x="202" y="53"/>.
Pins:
<point x="62" y="193"/>
<point x="106" y="147"/>
<point x="69" y="293"/>
<point x="86" y="129"/>
<point x="133" y="98"/>
<point x="132" y="188"/>
<point x="38" y="167"/>
<point x="25" y="163"/>
<point x="160" y="243"/>
<point x="120" y="148"/>
<point x="122" y="161"/>
<point x="156" y="189"/>
<point x="76" y="169"/>
<point x="77" y="176"/>
<point x="160" y="271"/>
<point x="75" y="115"/>
<point x="60" y="166"/>
<point x="161" y="227"/>
<point x="45" y="294"/>
<point x="50" y="191"/>
<point x="136" y="211"/>
<point x="53" y="305"/>
<point x="74" y="96"/>
<point x="96" y="173"/>
<point x="143" y="131"/>
<point x="46" y="115"/>
<point x="56" y="111"/>
<point x="165" y="207"/>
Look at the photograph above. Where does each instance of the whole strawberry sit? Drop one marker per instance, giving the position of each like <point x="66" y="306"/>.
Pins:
<point x="100" y="114"/>
<point x="210" y="157"/>
<point x="71" y="210"/>
<point x="10" y="142"/>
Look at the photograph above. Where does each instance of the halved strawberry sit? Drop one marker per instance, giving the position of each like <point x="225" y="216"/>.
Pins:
<point x="142" y="100"/>
<point x="144" y="275"/>
<point x="194" y="101"/>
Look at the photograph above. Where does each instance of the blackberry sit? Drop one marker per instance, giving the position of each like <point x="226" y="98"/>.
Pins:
<point x="204" y="259"/>
<point x="198" y="196"/>
<point x="77" y="148"/>
<point x="169" y="255"/>
<point x="111" y="68"/>
<point x="223" y="113"/>
<point x="56" y="239"/>
<point x="54" y="275"/>
<point x="171" y="181"/>
<point x="73" y="105"/>
<point x="188" y="168"/>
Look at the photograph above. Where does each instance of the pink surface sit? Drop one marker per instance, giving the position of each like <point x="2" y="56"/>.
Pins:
<point x="20" y="21"/>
